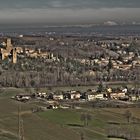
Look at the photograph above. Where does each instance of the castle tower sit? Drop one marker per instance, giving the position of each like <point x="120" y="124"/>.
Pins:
<point x="9" y="44"/>
<point x="2" y="56"/>
<point x="14" y="56"/>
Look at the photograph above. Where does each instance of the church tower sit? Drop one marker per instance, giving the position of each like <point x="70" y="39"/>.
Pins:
<point x="14" y="56"/>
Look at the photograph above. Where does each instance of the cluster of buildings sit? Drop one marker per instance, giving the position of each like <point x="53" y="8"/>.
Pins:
<point x="126" y="62"/>
<point x="32" y="53"/>
<point x="89" y="95"/>
<point x="10" y="52"/>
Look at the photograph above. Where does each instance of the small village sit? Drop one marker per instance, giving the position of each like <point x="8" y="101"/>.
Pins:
<point x="55" y="99"/>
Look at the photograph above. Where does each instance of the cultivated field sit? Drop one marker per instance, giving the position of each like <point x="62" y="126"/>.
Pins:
<point x="60" y="124"/>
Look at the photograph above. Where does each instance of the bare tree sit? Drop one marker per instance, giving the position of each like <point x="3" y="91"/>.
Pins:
<point x="128" y="115"/>
<point x="85" y="118"/>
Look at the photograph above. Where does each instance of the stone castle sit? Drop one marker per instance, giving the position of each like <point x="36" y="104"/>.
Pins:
<point x="8" y="51"/>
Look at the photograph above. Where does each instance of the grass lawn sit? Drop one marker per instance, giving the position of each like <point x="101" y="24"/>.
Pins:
<point x="62" y="116"/>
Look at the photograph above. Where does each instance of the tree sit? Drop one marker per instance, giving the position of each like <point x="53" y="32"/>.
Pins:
<point x="110" y="65"/>
<point x="128" y="115"/>
<point x="85" y="118"/>
<point x="100" y="87"/>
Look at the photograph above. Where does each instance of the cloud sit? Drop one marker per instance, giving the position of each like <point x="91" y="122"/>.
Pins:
<point x="69" y="4"/>
<point x="68" y="11"/>
<point x="88" y="15"/>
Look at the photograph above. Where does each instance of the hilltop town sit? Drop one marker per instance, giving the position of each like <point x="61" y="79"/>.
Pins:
<point x="69" y="60"/>
<point x="9" y="52"/>
<point x="50" y="61"/>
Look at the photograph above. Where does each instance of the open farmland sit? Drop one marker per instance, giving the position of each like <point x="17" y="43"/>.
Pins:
<point x="59" y="124"/>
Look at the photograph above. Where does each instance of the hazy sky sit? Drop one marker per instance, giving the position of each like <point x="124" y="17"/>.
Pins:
<point x="69" y="11"/>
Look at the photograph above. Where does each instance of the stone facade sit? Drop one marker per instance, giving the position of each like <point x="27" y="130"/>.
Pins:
<point x="8" y="51"/>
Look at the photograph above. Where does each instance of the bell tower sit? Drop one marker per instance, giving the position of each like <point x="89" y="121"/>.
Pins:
<point x="14" y="56"/>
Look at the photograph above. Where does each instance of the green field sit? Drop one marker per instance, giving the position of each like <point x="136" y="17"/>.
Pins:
<point x="60" y="124"/>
